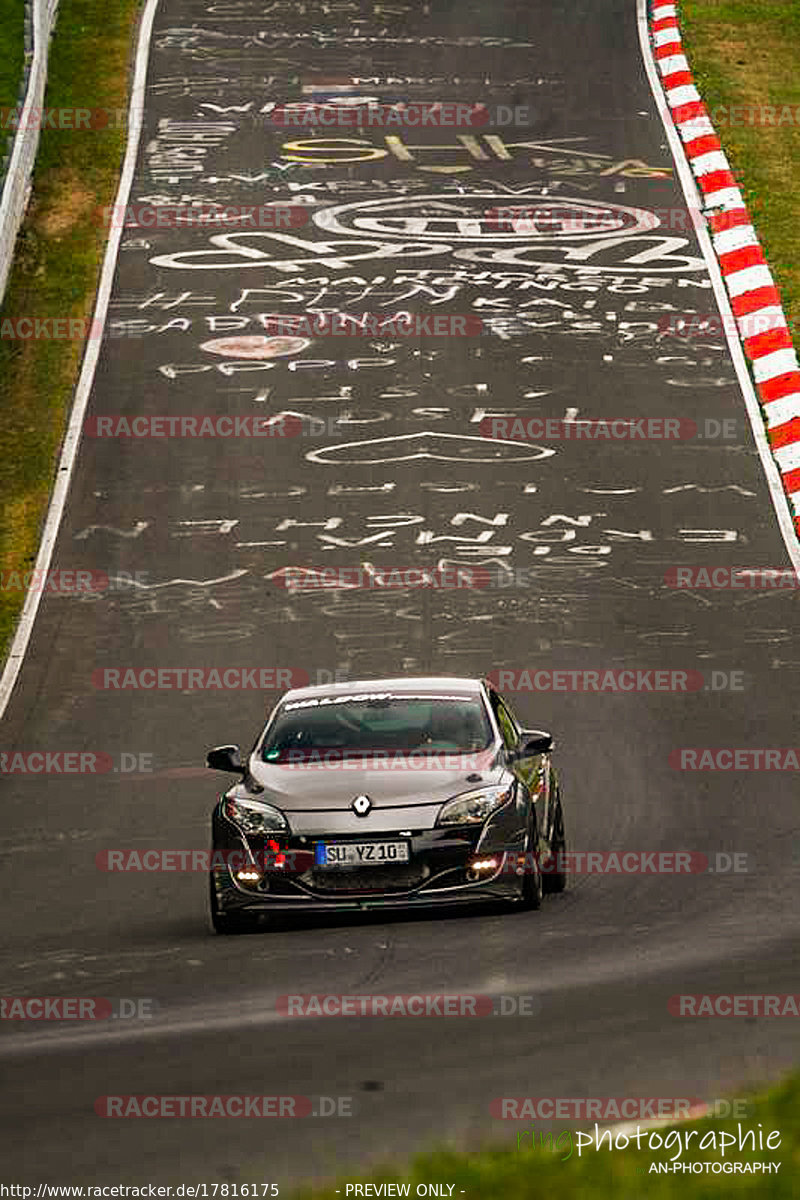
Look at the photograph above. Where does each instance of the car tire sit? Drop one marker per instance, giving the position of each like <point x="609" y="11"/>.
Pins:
<point x="227" y="923"/>
<point x="532" y="885"/>
<point x="556" y="881"/>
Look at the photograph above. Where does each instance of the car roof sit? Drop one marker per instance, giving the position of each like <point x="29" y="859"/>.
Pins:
<point x="423" y="685"/>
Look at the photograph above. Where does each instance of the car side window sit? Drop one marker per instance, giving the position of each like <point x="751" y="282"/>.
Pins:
<point x="508" y="726"/>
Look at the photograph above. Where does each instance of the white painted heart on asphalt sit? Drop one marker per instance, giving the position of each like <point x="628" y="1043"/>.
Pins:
<point x="446" y="447"/>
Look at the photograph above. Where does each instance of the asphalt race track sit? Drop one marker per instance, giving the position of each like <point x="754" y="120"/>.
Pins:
<point x="577" y="535"/>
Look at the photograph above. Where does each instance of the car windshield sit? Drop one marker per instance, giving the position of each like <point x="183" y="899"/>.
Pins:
<point x="363" y="724"/>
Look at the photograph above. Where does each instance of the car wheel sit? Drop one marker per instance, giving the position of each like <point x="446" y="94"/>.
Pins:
<point x="532" y="887"/>
<point x="556" y="881"/>
<point x="227" y="923"/>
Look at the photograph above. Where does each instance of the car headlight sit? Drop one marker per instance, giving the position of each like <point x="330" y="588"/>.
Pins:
<point x="253" y="817"/>
<point x="474" y="807"/>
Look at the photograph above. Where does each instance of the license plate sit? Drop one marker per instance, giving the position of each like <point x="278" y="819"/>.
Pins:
<point x="360" y="854"/>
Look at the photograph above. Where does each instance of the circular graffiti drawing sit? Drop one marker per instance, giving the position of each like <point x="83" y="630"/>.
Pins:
<point x="485" y="216"/>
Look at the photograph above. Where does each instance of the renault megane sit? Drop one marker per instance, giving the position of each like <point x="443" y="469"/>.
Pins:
<point x="391" y="793"/>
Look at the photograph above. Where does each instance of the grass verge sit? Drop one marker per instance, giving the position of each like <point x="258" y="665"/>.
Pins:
<point x="624" y="1173"/>
<point x="12" y="61"/>
<point x="56" y="270"/>
<point x="12" y="51"/>
<point x="746" y="53"/>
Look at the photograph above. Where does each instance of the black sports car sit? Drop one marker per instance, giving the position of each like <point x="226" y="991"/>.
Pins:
<point x="386" y="793"/>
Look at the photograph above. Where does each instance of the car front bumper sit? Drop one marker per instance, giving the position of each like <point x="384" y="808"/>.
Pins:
<point x="437" y="873"/>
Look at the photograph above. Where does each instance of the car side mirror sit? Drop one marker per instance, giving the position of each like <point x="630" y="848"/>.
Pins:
<point x="534" y="741"/>
<point x="225" y="758"/>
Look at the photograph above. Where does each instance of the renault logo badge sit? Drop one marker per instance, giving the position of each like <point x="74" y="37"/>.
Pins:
<point x="361" y="806"/>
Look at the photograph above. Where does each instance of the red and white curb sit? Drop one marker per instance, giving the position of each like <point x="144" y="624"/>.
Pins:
<point x="754" y="298"/>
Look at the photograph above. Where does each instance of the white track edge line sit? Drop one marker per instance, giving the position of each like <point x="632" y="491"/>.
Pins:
<point x="72" y="436"/>
<point x="752" y="404"/>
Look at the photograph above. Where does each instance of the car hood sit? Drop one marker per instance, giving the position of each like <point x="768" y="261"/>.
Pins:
<point x="397" y="783"/>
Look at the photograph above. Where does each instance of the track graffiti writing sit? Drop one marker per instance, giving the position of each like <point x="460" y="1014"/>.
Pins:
<point x="433" y="287"/>
<point x="248" y="250"/>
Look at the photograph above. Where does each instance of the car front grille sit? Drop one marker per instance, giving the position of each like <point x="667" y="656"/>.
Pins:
<point x="400" y="878"/>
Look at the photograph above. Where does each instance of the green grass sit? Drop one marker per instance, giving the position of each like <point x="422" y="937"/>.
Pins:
<point x="12" y="59"/>
<point x="12" y="51"/>
<point x="747" y="52"/>
<point x="56" y="269"/>
<point x="621" y="1174"/>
